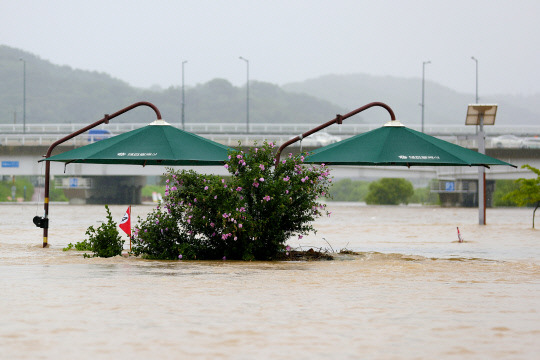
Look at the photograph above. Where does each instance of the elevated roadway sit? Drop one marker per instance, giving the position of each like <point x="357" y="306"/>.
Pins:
<point x="19" y="153"/>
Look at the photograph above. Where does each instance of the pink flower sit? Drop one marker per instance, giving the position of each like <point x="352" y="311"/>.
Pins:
<point x="267" y="198"/>
<point x="261" y="166"/>
<point x="239" y="188"/>
<point x="287" y="178"/>
<point x="239" y="225"/>
<point x="256" y="184"/>
<point x="261" y="179"/>
<point x="180" y="257"/>
<point x="206" y="188"/>
<point x="226" y="166"/>
<point x="300" y="237"/>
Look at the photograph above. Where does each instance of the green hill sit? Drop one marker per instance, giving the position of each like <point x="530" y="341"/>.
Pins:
<point x="60" y="94"/>
<point x="442" y="105"/>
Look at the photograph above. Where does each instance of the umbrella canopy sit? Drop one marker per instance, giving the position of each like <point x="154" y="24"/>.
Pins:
<point x="395" y="144"/>
<point x="158" y="143"/>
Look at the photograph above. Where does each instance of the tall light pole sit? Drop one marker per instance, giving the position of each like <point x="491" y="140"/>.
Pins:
<point x="24" y="95"/>
<point x="183" y="98"/>
<point x="481" y="170"/>
<point x="476" y="60"/>
<point x="247" y="93"/>
<point x="423" y="83"/>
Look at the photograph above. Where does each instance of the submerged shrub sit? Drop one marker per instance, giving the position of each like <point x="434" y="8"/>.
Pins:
<point x="390" y="191"/>
<point x="105" y="241"/>
<point x="249" y="215"/>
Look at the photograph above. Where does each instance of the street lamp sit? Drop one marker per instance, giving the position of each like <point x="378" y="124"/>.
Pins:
<point x="480" y="115"/>
<point x="247" y="93"/>
<point x="183" y="99"/>
<point x="476" y="60"/>
<point x="423" y="81"/>
<point x="24" y="94"/>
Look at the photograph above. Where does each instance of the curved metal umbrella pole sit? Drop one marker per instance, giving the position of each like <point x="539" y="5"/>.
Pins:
<point x="338" y="119"/>
<point x="43" y="222"/>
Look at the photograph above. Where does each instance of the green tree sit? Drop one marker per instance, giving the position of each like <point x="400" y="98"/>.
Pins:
<point x="528" y="191"/>
<point x="503" y="188"/>
<point x="349" y="190"/>
<point x="390" y="191"/>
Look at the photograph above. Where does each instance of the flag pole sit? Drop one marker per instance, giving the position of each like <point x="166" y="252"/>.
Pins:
<point x="130" y="232"/>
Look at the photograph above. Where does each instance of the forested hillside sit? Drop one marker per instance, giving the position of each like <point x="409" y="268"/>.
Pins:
<point x="442" y="105"/>
<point x="60" y="94"/>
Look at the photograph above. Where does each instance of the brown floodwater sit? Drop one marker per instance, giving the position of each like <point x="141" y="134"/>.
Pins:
<point x="414" y="292"/>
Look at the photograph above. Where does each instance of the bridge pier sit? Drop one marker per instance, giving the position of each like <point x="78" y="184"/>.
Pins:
<point x="116" y="190"/>
<point x="463" y="192"/>
<point x="111" y="190"/>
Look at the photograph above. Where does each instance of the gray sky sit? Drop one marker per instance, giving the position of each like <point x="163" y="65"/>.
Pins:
<point x="145" y="42"/>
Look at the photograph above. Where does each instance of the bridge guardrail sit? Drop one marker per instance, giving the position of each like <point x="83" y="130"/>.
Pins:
<point x="225" y="139"/>
<point x="267" y="128"/>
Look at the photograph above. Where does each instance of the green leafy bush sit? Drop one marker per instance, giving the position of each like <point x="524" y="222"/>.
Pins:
<point x="20" y="183"/>
<point x="390" y="191"/>
<point x="349" y="190"/>
<point x="502" y="188"/>
<point x="527" y="192"/>
<point x="105" y="241"/>
<point x="424" y="196"/>
<point x="247" y="216"/>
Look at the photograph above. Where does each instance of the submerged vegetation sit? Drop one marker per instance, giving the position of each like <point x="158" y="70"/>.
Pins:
<point x="528" y="191"/>
<point x="249" y="215"/>
<point x="104" y="241"/>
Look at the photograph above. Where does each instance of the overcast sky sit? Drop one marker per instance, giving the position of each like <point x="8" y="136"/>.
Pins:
<point x="145" y="42"/>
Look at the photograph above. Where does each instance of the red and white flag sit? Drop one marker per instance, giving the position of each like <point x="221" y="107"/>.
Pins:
<point x="125" y="223"/>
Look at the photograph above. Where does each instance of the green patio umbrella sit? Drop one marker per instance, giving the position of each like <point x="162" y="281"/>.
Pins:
<point x="395" y="144"/>
<point x="158" y="143"/>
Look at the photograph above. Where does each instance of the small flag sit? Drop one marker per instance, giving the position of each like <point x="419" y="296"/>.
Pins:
<point x="460" y="239"/>
<point x="125" y="223"/>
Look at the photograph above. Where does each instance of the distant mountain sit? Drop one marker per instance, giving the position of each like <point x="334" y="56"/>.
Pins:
<point x="404" y="96"/>
<point x="60" y="94"/>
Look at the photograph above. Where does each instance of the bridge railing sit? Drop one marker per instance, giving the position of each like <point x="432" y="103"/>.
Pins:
<point x="225" y="139"/>
<point x="271" y="128"/>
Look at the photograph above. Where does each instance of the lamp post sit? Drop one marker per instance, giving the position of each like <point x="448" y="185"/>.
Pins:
<point x="423" y="85"/>
<point x="481" y="170"/>
<point x="43" y="222"/>
<point x="24" y="95"/>
<point x="247" y="93"/>
<point x="183" y="98"/>
<point x="476" y="61"/>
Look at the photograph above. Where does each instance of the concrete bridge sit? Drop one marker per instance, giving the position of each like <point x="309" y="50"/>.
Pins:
<point x="20" y="152"/>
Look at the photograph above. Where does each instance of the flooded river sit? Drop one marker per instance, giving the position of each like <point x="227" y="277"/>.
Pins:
<point x="414" y="292"/>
